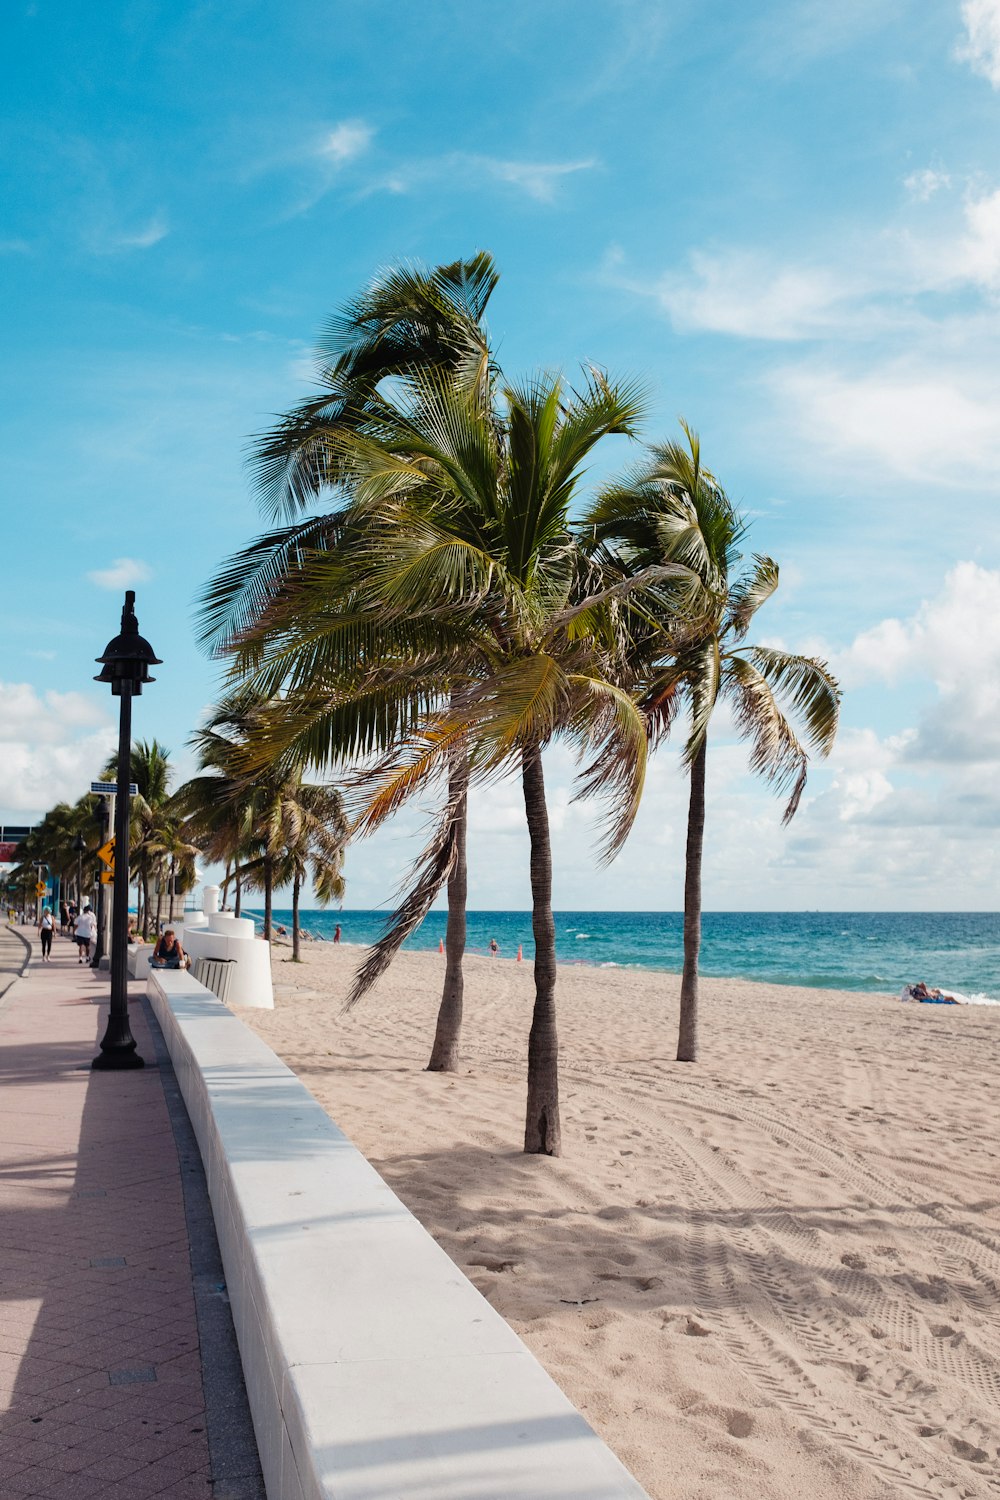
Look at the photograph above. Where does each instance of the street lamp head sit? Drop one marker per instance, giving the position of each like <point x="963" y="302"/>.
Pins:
<point x="128" y="657"/>
<point x="79" y="844"/>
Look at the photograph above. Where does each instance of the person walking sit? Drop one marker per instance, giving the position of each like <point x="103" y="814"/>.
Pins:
<point x="46" y="927"/>
<point x="85" y="931"/>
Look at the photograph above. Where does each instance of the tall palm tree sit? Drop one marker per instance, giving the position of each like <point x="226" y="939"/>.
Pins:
<point x="409" y="318"/>
<point x="693" y="652"/>
<point x="467" y="528"/>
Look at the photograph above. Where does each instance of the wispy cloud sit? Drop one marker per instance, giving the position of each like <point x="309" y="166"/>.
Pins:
<point x="538" y="180"/>
<point x="344" y="142"/>
<point x="922" y="185"/>
<point x="112" y="240"/>
<point x="14" y="247"/>
<point x="124" y="572"/>
<point x="980" y="47"/>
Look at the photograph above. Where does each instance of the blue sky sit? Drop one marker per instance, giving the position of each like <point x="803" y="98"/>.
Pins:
<point x="785" y="218"/>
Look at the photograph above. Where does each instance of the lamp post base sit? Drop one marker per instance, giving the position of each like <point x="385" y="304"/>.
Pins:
<point x="117" y="1047"/>
<point x="114" y="1058"/>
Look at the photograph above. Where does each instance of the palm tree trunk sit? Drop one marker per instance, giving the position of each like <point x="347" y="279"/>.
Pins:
<point x="296" y="887"/>
<point x="687" y="1040"/>
<point x="268" y="878"/>
<point x="159" y="897"/>
<point x="542" y="1133"/>
<point x="444" y="1053"/>
<point x="173" y="877"/>
<point x="239" y="893"/>
<point x="145" y="902"/>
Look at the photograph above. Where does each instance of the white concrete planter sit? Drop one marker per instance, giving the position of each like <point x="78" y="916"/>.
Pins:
<point x="233" y="938"/>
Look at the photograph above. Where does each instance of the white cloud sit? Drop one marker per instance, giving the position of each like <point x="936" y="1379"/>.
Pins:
<point x="922" y="185"/>
<point x="51" y="746"/>
<point x="980" y="47"/>
<point x="349" y="139"/>
<point x="925" y="422"/>
<point x="743" y="293"/>
<point x="952" y="641"/>
<point x="123" y="573"/>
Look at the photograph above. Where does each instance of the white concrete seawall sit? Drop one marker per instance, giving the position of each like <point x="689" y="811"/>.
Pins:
<point x="374" y="1368"/>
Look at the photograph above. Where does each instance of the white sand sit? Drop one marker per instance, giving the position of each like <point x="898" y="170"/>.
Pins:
<point x="774" y="1273"/>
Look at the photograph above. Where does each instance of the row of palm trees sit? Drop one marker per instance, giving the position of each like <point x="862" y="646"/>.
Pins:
<point x="270" y="832"/>
<point x="439" y="598"/>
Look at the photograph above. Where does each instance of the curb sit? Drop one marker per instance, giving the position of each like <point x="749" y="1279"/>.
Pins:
<point x="28" y="945"/>
<point x="8" y="994"/>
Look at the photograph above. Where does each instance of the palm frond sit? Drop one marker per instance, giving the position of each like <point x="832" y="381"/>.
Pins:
<point x="810" y="688"/>
<point x="775" y="752"/>
<point x="430" y="873"/>
<point x="748" y="594"/>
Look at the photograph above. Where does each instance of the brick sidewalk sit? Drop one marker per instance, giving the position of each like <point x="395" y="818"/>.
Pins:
<point x="101" y="1389"/>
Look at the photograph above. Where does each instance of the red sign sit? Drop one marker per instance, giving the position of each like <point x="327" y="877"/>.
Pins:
<point x="8" y="854"/>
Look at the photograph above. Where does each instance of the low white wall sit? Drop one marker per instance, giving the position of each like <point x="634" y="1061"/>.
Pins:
<point x="374" y="1368"/>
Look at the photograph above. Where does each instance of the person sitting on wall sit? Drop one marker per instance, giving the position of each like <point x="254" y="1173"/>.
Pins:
<point x="168" y="953"/>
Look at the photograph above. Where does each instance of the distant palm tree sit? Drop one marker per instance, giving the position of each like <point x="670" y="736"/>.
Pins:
<point x="693" y="651"/>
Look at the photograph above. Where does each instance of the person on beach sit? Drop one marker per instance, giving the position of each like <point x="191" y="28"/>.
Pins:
<point x="63" y="916"/>
<point x="84" y="933"/>
<point x="46" y="927"/>
<point x="494" y="947"/>
<point x="336" y="933"/>
<point x="168" y="953"/>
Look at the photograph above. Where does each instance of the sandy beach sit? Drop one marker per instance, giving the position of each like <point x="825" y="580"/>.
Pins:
<point x="772" y="1274"/>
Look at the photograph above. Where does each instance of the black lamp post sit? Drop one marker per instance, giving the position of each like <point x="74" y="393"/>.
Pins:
<point x="79" y="849"/>
<point x="126" y="664"/>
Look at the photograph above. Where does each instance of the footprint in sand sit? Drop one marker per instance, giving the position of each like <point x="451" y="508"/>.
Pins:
<point x="739" y="1424"/>
<point x="968" y="1451"/>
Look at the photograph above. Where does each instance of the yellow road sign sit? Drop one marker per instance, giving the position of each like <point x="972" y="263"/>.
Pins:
<point x="106" y="853"/>
<point x="41" y="888"/>
<point x="107" y="876"/>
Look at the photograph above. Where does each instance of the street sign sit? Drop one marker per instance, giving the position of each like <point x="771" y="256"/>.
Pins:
<point x="41" y="888"/>
<point x="107" y="877"/>
<point x="110" y="789"/>
<point x="106" y="853"/>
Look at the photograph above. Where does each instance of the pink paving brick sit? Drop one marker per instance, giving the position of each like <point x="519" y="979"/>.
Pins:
<point x="68" y="1136"/>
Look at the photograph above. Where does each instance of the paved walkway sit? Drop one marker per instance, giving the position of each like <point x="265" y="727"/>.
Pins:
<point x="101" y="1374"/>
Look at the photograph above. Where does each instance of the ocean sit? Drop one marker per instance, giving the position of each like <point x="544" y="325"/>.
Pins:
<point x="878" y="951"/>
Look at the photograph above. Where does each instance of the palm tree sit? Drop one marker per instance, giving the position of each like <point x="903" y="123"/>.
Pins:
<point x="315" y="834"/>
<point x="467" y="529"/>
<point x="150" y="770"/>
<point x="693" y="651"/>
<point x="407" y="319"/>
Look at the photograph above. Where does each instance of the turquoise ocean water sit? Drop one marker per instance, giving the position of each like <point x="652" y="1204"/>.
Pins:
<point x="878" y="951"/>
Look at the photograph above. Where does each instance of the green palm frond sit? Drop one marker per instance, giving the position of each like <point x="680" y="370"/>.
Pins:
<point x="702" y="669"/>
<point x="809" y="687"/>
<point x="775" y="752"/>
<point x="748" y="594"/>
<point x="429" y="875"/>
<point x="613" y="728"/>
